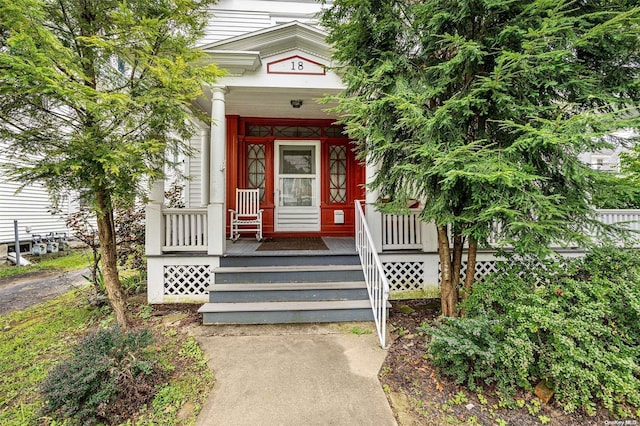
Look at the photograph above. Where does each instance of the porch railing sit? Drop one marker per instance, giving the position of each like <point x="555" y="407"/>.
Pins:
<point x="629" y="219"/>
<point x="374" y="275"/>
<point x="401" y="232"/>
<point x="185" y="230"/>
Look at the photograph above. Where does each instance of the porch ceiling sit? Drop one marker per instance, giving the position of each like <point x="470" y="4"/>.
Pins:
<point x="272" y="102"/>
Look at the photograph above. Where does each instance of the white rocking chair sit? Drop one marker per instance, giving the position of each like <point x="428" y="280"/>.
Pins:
<point x="247" y="217"/>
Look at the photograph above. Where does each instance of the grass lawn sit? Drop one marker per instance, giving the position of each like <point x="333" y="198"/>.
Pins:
<point x="77" y="259"/>
<point x="34" y="340"/>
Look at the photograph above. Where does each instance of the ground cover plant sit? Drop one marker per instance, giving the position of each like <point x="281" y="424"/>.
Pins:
<point x="421" y="395"/>
<point x="109" y="375"/>
<point x="34" y="341"/>
<point x="570" y="324"/>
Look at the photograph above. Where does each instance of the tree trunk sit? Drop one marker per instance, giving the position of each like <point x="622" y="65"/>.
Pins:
<point x="94" y="269"/>
<point x="448" y="287"/>
<point x="458" y="242"/>
<point x="471" y="270"/>
<point x="471" y="267"/>
<point x="108" y="258"/>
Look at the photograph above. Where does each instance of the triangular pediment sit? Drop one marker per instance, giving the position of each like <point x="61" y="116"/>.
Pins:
<point x="245" y="52"/>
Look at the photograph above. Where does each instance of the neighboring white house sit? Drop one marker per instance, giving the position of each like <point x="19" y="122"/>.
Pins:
<point x="608" y="160"/>
<point x="32" y="207"/>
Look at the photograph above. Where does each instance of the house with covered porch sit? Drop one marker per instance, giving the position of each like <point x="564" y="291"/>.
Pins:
<point x="329" y="255"/>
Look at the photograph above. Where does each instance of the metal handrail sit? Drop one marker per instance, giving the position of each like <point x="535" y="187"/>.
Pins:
<point x="374" y="275"/>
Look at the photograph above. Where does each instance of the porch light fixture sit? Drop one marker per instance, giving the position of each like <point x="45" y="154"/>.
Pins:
<point x="296" y="103"/>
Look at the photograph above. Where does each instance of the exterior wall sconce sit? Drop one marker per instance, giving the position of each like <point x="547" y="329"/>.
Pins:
<point x="296" y="103"/>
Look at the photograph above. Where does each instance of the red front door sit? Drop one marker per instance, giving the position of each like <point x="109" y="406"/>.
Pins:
<point x="306" y="170"/>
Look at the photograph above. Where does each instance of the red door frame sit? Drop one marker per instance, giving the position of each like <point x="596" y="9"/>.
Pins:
<point x="237" y="142"/>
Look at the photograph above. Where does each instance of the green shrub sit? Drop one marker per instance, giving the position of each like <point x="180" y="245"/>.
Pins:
<point x="106" y="380"/>
<point x="134" y="281"/>
<point x="616" y="192"/>
<point x="130" y="232"/>
<point x="574" y="324"/>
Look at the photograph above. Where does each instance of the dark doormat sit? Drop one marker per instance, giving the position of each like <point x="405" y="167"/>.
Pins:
<point x="306" y="243"/>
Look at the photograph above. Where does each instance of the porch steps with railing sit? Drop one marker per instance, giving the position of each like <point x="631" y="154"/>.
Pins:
<point x="287" y="289"/>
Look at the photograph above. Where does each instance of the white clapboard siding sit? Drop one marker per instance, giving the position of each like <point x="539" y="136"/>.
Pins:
<point x="232" y="18"/>
<point x="31" y="207"/>
<point x="193" y="187"/>
<point x="227" y="24"/>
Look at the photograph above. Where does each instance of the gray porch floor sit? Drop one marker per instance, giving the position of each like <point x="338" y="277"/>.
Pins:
<point x="249" y="247"/>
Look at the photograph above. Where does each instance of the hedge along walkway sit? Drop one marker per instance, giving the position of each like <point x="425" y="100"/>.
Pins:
<point x="293" y="375"/>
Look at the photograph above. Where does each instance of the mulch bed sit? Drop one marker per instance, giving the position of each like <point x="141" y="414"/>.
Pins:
<point x="280" y="244"/>
<point x="432" y="399"/>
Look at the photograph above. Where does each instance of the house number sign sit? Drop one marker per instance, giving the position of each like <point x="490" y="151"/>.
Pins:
<point x="296" y="65"/>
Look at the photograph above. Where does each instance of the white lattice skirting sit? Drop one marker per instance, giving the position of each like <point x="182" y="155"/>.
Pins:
<point x="181" y="280"/>
<point x="404" y="276"/>
<point x="407" y="276"/>
<point x="194" y="280"/>
<point x="483" y="267"/>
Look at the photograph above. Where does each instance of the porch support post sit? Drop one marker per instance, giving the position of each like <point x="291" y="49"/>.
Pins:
<point x="205" y="155"/>
<point x="154" y="229"/>
<point x="217" y="190"/>
<point x="156" y="195"/>
<point x="429" y="237"/>
<point x="154" y="240"/>
<point x="374" y="217"/>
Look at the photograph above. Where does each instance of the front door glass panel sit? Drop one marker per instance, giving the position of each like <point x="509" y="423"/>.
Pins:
<point x="297" y="175"/>
<point x="297" y="186"/>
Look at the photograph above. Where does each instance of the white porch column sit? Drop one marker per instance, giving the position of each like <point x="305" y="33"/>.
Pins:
<point x="154" y="228"/>
<point x="154" y="240"/>
<point x="374" y="217"/>
<point x="429" y="237"/>
<point x="217" y="169"/>
<point x="156" y="194"/>
<point x="205" y="155"/>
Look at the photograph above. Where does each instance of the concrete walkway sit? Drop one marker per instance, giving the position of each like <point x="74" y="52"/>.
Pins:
<point x="294" y="375"/>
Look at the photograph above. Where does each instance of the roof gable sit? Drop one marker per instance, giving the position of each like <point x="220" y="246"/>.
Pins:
<point x="250" y="48"/>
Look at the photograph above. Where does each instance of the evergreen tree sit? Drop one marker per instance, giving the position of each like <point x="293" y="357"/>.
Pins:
<point x="480" y="107"/>
<point x="630" y="164"/>
<point x="93" y="96"/>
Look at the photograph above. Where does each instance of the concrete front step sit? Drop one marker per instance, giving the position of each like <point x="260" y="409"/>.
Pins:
<point x="288" y="274"/>
<point x="288" y="260"/>
<point x="286" y="312"/>
<point x="282" y="292"/>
